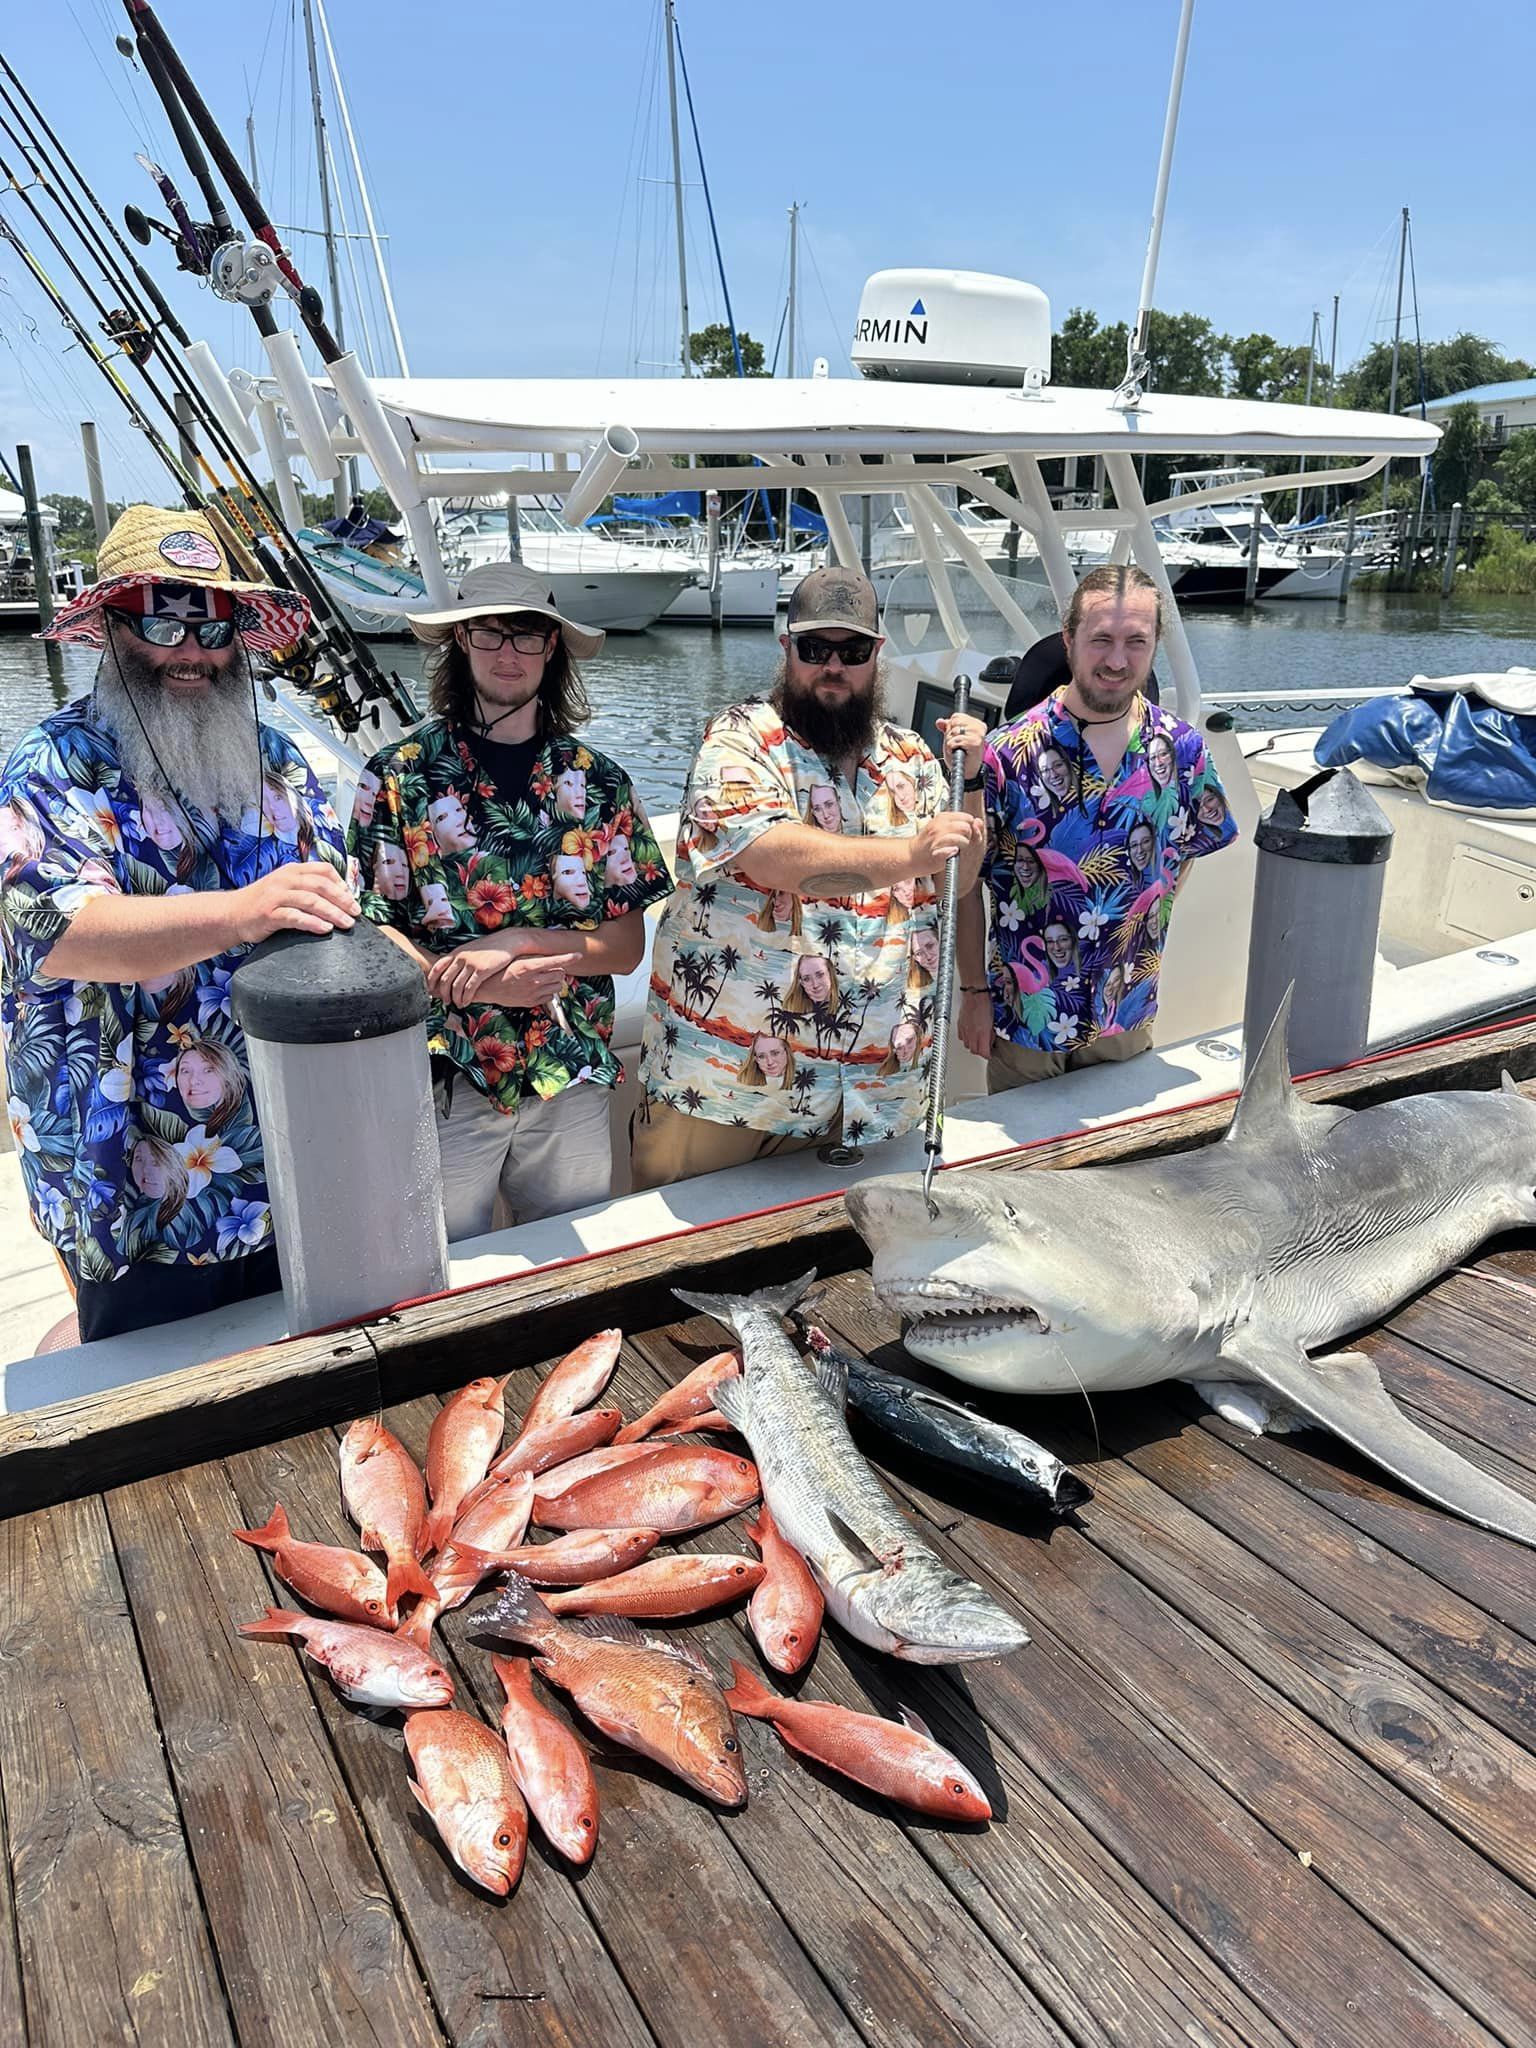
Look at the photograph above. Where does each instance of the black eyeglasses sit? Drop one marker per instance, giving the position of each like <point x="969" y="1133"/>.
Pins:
<point x="211" y="633"/>
<point x="525" y="640"/>
<point x="851" y="653"/>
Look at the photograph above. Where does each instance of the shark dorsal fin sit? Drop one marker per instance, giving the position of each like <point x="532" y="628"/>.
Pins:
<point x="1269" y="1109"/>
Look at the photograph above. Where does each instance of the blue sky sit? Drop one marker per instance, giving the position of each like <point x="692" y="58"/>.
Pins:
<point x="515" y="154"/>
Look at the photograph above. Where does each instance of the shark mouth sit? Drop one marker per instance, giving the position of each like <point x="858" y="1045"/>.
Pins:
<point x="947" y="1311"/>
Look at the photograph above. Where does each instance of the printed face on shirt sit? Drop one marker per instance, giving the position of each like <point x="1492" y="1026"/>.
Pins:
<point x="772" y="1056"/>
<point x="368" y="787"/>
<point x="1055" y="773"/>
<point x="902" y="791"/>
<point x="904" y="1043"/>
<point x="1114" y="987"/>
<point x="450" y="823"/>
<point x="816" y="977"/>
<point x="1058" y="946"/>
<point x="391" y="875"/>
<point x="569" y="880"/>
<point x="277" y="810"/>
<point x="198" y="1080"/>
<point x="1140" y="846"/>
<point x="706" y="819"/>
<point x="1027" y="871"/>
<point x="162" y="827"/>
<point x="905" y="893"/>
<point x="571" y="794"/>
<point x="783" y="905"/>
<point x="1161" y="764"/>
<point x="437" y="912"/>
<point x="925" y="949"/>
<point x="824" y="808"/>
<point x="1211" y="809"/>
<point x="619" y="869"/>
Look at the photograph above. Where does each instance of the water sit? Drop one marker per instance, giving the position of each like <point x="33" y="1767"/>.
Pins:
<point x="652" y="692"/>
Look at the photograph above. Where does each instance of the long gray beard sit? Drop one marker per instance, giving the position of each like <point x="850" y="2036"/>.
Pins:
<point x="201" y="749"/>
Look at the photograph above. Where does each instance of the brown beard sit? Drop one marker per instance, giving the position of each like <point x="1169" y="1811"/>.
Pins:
<point x="203" y="751"/>
<point x="835" y="733"/>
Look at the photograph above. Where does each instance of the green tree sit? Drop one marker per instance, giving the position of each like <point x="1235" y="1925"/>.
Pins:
<point x="1085" y="355"/>
<point x="75" y="536"/>
<point x="711" y="351"/>
<point x="319" y="505"/>
<point x="1462" y="363"/>
<point x="1489" y="502"/>
<point x="1459" y="455"/>
<point x="1516" y="471"/>
<point x="1262" y="367"/>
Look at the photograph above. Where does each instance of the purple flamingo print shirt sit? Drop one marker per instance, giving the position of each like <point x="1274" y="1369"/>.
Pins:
<point x="1081" y="872"/>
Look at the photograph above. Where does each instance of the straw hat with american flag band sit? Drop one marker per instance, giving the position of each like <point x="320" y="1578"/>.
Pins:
<point x="173" y="565"/>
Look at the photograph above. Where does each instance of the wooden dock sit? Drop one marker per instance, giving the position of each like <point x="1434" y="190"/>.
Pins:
<point x="1264" y="1776"/>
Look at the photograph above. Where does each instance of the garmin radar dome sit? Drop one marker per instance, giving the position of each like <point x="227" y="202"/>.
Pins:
<point x="953" y="327"/>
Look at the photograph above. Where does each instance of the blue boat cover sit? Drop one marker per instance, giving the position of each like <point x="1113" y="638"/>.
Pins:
<point x="1470" y="752"/>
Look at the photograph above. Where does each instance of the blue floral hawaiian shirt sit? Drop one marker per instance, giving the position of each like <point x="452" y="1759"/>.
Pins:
<point x="130" y="1103"/>
<point x="1082" y="873"/>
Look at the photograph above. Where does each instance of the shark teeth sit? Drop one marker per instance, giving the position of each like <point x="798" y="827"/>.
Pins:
<point x="950" y="1308"/>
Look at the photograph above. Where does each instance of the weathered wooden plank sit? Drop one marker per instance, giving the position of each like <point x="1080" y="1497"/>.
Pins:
<point x="134" y="1432"/>
<point x="13" y="2030"/>
<point x="309" y="1944"/>
<point x="896" y="1944"/>
<point x="131" y="1433"/>
<point x="1440" y="1633"/>
<point x="1482" y="1319"/>
<point x="110" y="1931"/>
<point x="1146" y="1685"/>
<point x="529" y="1968"/>
<point x="1485" y="1423"/>
<point x="682" y="1915"/>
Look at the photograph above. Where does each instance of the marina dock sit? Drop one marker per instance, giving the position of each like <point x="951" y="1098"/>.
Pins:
<point x="1264" y="1776"/>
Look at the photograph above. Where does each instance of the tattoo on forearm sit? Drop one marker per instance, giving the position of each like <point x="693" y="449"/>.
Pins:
<point x="842" y="882"/>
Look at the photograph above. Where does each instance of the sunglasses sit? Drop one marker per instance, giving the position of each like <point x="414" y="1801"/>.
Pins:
<point x="525" y="640"/>
<point x="851" y="653"/>
<point x="211" y="633"/>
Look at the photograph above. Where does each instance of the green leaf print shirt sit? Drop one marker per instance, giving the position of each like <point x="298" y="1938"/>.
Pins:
<point x="444" y="861"/>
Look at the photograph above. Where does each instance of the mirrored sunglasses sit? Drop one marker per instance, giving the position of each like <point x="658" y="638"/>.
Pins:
<point x="851" y="653"/>
<point x="211" y="633"/>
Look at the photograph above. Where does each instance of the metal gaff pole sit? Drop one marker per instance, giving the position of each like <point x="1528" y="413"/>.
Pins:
<point x="944" y="981"/>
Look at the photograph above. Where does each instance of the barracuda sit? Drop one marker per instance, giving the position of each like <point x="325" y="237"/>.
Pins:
<point x="1223" y="1266"/>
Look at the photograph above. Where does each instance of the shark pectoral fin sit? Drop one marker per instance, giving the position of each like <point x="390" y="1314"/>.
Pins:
<point x="1343" y="1392"/>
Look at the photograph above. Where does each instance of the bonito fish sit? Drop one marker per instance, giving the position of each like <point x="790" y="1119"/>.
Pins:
<point x="878" y="1577"/>
<point x="938" y="1428"/>
<point x="660" y="1700"/>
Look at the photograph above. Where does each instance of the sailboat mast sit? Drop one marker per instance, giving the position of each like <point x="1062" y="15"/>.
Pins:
<point x="1312" y="341"/>
<point x="789" y="327"/>
<point x="1397" y="342"/>
<point x="346" y="476"/>
<point x="677" y="187"/>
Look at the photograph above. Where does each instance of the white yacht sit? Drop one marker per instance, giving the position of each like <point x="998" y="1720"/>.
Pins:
<point x="1211" y="540"/>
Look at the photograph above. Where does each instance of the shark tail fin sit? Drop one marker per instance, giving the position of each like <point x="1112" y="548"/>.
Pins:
<point x="726" y="1307"/>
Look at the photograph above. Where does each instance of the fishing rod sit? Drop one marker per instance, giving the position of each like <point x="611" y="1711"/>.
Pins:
<point x="944" y="980"/>
<point x="275" y="552"/>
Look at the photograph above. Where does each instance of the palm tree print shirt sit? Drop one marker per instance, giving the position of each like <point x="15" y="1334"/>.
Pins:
<point x="1082" y="873"/>
<point x="781" y="1012"/>
<point x="444" y="861"/>
<point x="130" y="1103"/>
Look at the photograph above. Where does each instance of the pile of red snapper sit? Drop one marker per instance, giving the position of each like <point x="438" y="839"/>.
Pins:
<point x="609" y="1492"/>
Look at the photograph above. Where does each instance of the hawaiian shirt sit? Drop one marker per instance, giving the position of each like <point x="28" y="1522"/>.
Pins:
<point x="1082" y="873"/>
<point x="130" y="1104"/>
<point x="782" y="1012"/>
<point x="444" y="861"/>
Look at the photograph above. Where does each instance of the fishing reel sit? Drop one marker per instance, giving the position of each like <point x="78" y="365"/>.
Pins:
<point x="325" y="688"/>
<point x="128" y="332"/>
<point x="189" y="249"/>
<point x="244" y="273"/>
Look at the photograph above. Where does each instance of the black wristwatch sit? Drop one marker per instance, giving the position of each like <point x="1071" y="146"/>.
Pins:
<point x="974" y="782"/>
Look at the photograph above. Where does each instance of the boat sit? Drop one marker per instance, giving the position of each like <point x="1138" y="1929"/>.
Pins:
<point x="1212" y="537"/>
<point x="18" y="585"/>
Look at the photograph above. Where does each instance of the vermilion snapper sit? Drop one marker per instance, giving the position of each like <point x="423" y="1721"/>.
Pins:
<point x="786" y="1609"/>
<point x="554" y="1443"/>
<point x="386" y="1497"/>
<point x="342" y="1582"/>
<point x="371" y="1667"/>
<point x="550" y="1484"/>
<point x="693" y="1395"/>
<point x="464" y="1783"/>
<point x="673" y="1491"/>
<point x="553" y="1771"/>
<point x="464" y="1438"/>
<point x="662" y="1702"/>
<point x="576" y="1381"/>
<point x="581" y="1557"/>
<point x="497" y="1521"/>
<point x="663" y="1588"/>
<point x="898" y="1759"/>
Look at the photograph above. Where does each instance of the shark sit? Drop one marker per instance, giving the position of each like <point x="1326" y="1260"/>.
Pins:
<point x="1233" y="1267"/>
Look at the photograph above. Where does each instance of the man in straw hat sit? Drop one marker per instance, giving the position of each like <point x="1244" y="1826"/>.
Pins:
<point x="813" y="799"/>
<point x="484" y="842"/>
<point x="149" y="833"/>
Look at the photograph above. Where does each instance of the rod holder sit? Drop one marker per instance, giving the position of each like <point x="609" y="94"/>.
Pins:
<point x="203" y="368"/>
<point x="371" y="425"/>
<point x="600" y="472"/>
<point x="303" y="409"/>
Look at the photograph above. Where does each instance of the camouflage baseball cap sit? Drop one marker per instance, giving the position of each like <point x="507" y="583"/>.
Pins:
<point x="834" y="597"/>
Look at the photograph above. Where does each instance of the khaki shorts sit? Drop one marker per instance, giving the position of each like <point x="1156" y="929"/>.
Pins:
<point x="668" y="1144"/>
<point x="1012" y="1066"/>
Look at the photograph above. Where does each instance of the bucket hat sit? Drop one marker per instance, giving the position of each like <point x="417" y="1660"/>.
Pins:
<point x="496" y="588"/>
<point x="149" y="546"/>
